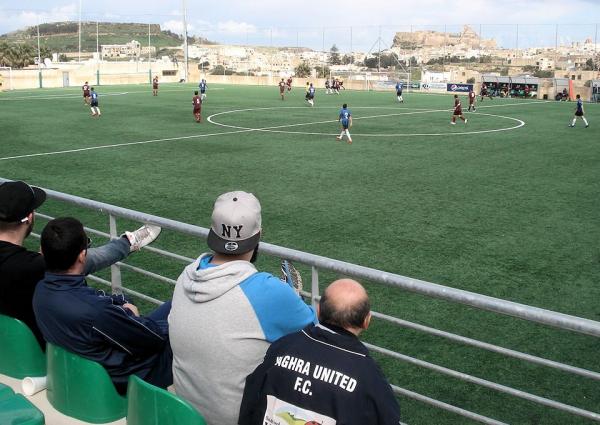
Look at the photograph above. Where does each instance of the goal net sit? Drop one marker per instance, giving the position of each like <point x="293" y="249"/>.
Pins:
<point x="380" y="81"/>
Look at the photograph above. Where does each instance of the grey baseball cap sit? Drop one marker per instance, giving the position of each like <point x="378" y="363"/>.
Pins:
<point x="236" y="223"/>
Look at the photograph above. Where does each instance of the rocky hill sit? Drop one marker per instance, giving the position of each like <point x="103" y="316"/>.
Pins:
<point x="419" y="39"/>
<point x="63" y="37"/>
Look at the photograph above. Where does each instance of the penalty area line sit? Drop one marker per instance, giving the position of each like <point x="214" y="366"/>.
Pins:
<point x="118" y="145"/>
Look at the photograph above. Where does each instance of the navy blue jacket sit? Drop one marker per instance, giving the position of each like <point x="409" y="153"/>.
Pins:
<point x="322" y="374"/>
<point x="87" y="322"/>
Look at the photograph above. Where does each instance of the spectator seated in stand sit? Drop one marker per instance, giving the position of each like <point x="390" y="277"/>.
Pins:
<point x="323" y="374"/>
<point x="103" y="328"/>
<point x="21" y="269"/>
<point x="226" y="313"/>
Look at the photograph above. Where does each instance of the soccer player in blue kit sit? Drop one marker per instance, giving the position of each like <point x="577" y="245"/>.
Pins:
<point x="579" y="113"/>
<point x="345" y="119"/>
<point x="202" y="87"/>
<point x="399" y="87"/>
<point x="310" y="95"/>
<point x="94" y="104"/>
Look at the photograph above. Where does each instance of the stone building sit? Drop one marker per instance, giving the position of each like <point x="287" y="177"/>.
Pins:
<point x="436" y="39"/>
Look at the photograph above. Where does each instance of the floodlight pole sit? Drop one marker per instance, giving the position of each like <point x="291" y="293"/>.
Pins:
<point x="596" y="40"/>
<point x="149" y="45"/>
<point x="97" y="43"/>
<point x="325" y="60"/>
<point x="79" y="33"/>
<point x="379" y="54"/>
<point x="185" y="43"/>
<point x="480" y="38"/>
<point x="445" y="46"/>
<point x="556" y="47"/>
<point x="39" y="54"/>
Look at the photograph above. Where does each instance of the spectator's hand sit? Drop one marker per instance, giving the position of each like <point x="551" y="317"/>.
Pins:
<point x="132" y="308"/>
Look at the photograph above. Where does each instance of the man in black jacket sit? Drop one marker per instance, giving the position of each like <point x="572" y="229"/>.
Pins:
<point x="21" y="269"/>
<point x="322" y="374"/>
<point x="103" y="328"/>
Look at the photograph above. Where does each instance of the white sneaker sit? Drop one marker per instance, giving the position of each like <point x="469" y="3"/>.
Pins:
<point x="291" y="275"/>
<point x="453" y="123"/>
<point x="338" y="138"/>
<point x="466" y="120"/>
<point x="142" y="236"/>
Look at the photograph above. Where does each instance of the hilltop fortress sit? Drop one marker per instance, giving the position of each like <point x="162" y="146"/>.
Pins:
<point x="419" y="39"/>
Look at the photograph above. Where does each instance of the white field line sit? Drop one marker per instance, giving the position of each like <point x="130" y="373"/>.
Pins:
<point x="273" y="129"/>
<point x="117" y="145"/>
<point x="79" y="94"/>
<point x="58" y="96"/>
<point x="247" y="130"/>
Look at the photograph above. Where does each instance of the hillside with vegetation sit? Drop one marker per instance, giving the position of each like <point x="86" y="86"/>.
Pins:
<point x="62" y="37"/>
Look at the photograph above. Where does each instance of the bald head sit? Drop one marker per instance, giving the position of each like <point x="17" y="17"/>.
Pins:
<point x="345" y="303"/>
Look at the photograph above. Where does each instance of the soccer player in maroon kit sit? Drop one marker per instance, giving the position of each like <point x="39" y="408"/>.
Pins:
<point x="86" y="93"/>
<point x="472" y="97"/>
<point x="282" y="88"/>
<point x="457" y="111"/>
<point x="197" y="102"/>
<point x="484" y="91"/>
<point x="289" y="84"/>
<point x="155" y="86"/>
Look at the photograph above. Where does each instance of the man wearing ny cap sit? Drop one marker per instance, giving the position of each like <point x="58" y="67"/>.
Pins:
<point x="225" y="313"/>
<point x="21" y="269"/>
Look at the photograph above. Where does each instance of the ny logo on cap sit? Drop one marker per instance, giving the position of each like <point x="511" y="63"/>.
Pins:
<point x="227" y="230"/>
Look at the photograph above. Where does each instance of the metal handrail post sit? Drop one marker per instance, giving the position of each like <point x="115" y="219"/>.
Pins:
<point x="314" y="287"/>
<point x="115" y="270"/>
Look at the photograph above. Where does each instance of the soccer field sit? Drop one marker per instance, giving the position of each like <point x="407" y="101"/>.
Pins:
<point x="506" y="205"/>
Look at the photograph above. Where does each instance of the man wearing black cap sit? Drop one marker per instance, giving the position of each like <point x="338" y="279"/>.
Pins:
<point x="21" y="269"/>
<point x="225" y="313"/>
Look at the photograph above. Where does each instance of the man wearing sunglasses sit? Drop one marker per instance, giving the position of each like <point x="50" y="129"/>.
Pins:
<point x="107" y="329"/>
<point x="21" y="269"/>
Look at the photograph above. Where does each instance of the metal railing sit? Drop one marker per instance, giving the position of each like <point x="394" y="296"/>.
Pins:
<point x="319" y="263"/>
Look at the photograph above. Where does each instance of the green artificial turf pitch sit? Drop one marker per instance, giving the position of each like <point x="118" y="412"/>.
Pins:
<point x="506" y="206"/>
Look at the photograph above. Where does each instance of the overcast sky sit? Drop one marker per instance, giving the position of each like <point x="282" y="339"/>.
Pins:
<point x="354" y="24"/>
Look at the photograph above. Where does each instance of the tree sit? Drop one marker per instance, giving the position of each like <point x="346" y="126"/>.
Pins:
<point x="334" y="56"/>
<point x="385" y="62"/>
<point x="218" y="70"/>
<point x="302" y="70"/>
<point x="543" y="73"/>
<point x="348" y="59"/>
<point x="589" y="65"/>
<point x="20" y="55"/>
<point x="322" y="71"/>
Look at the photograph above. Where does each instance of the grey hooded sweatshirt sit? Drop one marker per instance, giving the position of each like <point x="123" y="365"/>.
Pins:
<point x="221" y="324"/>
